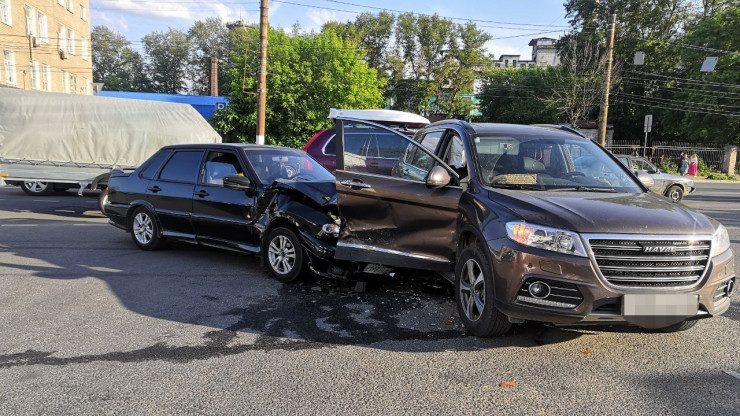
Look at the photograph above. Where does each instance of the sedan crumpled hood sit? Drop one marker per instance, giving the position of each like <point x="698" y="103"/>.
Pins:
<point x="322" y="193"/>
<point x="622" y="213"/>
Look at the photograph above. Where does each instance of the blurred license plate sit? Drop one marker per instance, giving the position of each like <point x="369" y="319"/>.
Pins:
<point x="679" y="304"/>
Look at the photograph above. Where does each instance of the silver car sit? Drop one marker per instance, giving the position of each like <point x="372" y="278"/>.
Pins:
<point x="672" y="186"/>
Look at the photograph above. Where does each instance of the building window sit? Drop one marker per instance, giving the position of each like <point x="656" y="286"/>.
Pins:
<point x="30" y="20"/>
<point x="83" y="12"/>
<point x="71" y="5"/>
<point x="65" y="82"/>
<point x="10" y="75"/>
<point x="45" y="77"/>
<point x="35" y="76"/>
<point x="62" y="38"/>
<point x="73" y="84"/>
<point x="83" y="47"/>
<point x="87" y="86"/>
<point x="5" y="15"/>
<point x="71" y="42"/>
<point x="43" y="28"/>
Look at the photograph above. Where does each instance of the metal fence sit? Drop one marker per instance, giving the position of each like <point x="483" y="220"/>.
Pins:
<point x="660" y="152"/>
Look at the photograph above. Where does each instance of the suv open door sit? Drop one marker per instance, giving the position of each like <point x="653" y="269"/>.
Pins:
<point x="399" y="207"/>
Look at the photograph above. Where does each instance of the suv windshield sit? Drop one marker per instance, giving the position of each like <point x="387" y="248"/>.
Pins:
<point x="549" y="163"/>
<point x="273" y="164"/>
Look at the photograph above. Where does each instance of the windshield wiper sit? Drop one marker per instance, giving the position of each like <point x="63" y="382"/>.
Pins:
<point x="518" y="186"/>
<point x="585" y="189"/>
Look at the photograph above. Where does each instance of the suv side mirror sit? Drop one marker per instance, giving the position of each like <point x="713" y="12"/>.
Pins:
<point x="438" y="177"/>
<point x="239" y="183"/>
<point x="645" y="178"/>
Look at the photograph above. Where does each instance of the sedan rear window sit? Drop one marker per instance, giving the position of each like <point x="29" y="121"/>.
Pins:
<point x="182" y="167"/>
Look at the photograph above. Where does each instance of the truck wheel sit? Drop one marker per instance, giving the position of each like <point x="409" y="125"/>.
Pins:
<point x="103" y="200"/>
<point x="283" y="255"/>
<point x="674" y="193"/>
<point x="144" y="230"/>
<point x="474" y="295"/>
<point x="679" y="327"/>
<point x="37" y="188"/>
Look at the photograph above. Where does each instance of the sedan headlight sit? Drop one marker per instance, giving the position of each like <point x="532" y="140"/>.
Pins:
<point x="545" y="238"/>
<point x="720" y="241"/>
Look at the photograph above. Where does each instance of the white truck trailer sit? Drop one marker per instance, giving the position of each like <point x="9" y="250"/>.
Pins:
<point x="51" y="142"/>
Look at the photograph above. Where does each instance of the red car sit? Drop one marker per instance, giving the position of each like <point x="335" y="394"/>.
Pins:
<point x="321" y="147"/>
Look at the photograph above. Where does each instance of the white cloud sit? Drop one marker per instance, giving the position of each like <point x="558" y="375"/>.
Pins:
<point x="117" y="22"/>
<point x="150" y="9"/>
<point x="320" y="16"/>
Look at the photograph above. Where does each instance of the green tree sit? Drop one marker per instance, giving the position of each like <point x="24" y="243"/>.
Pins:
<point x="515" y="95"/>
<point x="210" y="38"/>
<point x="652" y="27"/>
<point x="307" y="75"/>
<point x="167" y="66"/>
<point x="115" y="63"/>
<point x="711" y="104"/>
<point x="467" y="53"/>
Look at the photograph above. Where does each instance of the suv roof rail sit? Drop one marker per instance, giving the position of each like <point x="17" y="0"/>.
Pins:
<point x="564" y="127"/>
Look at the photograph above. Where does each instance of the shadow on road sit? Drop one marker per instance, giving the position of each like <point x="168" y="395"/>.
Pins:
<point x="220" y="290"/>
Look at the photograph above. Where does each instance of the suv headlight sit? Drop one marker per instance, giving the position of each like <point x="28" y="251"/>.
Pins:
<point x="720" y="241"/>
<point x="545" y="238"/>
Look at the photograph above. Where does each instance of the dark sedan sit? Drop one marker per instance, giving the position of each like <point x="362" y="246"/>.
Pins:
<point x="257" y="199"/>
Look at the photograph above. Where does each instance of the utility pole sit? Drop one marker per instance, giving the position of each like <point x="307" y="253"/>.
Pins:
<point x="604" y="113"/>
<point x="262" y="89"/>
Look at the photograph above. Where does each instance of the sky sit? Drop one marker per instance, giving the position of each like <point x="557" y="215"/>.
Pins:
<point x="137" y="18"/>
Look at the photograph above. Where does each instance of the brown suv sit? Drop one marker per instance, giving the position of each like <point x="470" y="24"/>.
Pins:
<point x="531" y="223"/>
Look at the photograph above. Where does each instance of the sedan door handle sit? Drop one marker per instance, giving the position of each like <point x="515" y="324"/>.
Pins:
<point x="154" y="189"/>
<point x="354" y="183"/>
<point x="201" y="193"/>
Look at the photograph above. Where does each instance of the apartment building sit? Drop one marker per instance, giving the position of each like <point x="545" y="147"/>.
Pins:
<point x="45" y="45"/>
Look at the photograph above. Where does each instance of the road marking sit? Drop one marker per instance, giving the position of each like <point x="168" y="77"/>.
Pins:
<point x="18" y="225"/>
<point x="84" y="224"/>
<point x="736" y="193"/>
<point x="45" y="200"/>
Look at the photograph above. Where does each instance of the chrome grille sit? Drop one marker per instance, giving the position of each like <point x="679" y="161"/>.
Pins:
<point x="651" y="262"/>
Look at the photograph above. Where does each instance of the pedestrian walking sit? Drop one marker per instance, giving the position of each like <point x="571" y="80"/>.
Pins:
<point x="693" y="164"/>
<point x="683" y="168"/>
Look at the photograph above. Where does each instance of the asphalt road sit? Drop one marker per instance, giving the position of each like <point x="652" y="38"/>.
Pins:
<point x="92" y="325"/>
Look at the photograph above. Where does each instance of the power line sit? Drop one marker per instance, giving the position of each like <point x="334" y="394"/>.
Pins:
<point x="680" y="90"/>
<point x="687" y="80"/>
<point x="688" y="103"/>
<point x="643" y="104"/>
<point x="446" y="17"/>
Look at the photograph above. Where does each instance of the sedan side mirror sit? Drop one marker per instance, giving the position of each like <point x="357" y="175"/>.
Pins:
<point x="239" y="183"/>
<point x="438" y="177"/>
<point x="645" y="178"/>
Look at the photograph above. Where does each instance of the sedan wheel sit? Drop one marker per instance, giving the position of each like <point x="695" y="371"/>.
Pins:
<point x="283" y="255"/>
<point x="144" y="230"/>
<point x="675" y="193"/>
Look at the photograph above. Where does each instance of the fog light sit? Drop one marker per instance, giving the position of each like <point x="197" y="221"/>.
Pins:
<point x="539" y="290"/>
<point x="331" y="229"/>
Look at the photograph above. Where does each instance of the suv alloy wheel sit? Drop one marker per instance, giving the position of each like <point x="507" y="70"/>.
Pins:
<point x="474" y="295"/>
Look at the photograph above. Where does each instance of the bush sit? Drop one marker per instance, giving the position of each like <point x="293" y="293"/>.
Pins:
<point x="720" y="177"/>
<point x="668" y="167"/>
<point x="703" y="169"/>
